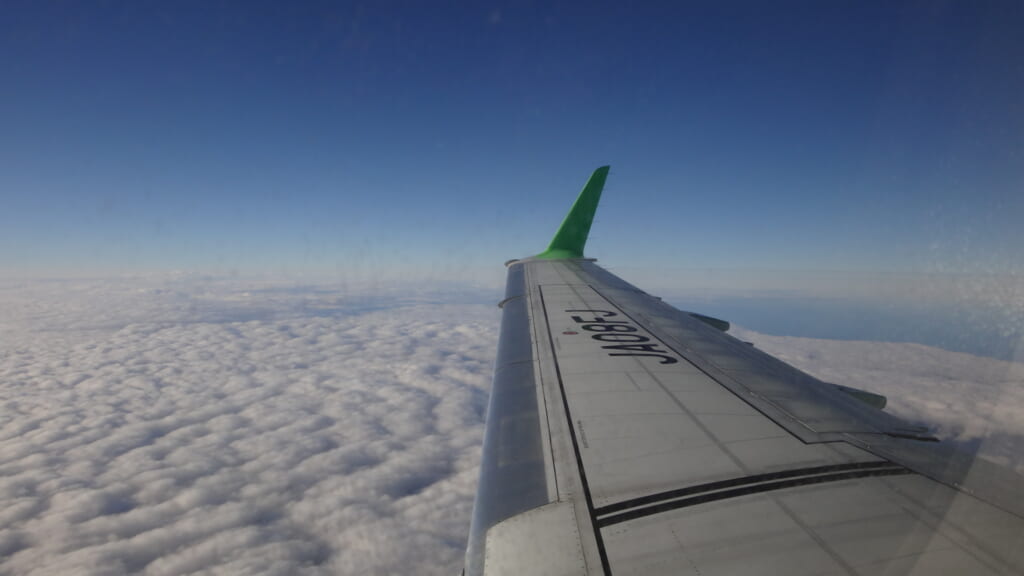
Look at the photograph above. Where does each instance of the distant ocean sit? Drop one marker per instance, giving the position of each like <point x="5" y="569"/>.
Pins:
<point x="979" y="330"/>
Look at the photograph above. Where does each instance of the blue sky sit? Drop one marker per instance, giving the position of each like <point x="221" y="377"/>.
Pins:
<point x="865" y="136"/>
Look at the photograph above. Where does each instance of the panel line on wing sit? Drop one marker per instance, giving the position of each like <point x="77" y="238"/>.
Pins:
<point x="605" y="565"/>
<point x="889" y="470"/>
<point x="740" y="481"/>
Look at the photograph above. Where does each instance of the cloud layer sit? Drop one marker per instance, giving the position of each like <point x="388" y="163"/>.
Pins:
<point x="182" y="424"/>
<point x="168" y="430"/>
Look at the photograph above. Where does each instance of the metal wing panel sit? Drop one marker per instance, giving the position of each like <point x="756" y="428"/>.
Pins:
<point x="680" y="450"/>
<point x="644" y="415"/>
<point x="805" y="406"/>
<point x="624" y="436"/>
<point x="516" y="472"/>
<point x="809" y="409"/>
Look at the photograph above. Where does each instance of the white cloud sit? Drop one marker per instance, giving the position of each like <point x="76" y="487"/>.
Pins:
<point x="182" y="424"/>
<point x="173" y="426"/>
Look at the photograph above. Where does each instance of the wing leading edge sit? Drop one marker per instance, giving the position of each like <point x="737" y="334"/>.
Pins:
<point x="624" y="436"/>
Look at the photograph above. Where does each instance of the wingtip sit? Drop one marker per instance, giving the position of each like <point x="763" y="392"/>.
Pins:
<point x="572" y="235"/>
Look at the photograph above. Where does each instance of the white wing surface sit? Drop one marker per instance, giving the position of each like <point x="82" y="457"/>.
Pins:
<point x="627" y="437"/>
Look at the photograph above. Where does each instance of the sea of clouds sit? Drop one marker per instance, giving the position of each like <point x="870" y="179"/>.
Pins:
<point x="178" y="425"/>
<point x="184" y="424"/>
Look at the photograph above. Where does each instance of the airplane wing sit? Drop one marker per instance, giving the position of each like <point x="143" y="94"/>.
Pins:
<point x="624" y="436"/>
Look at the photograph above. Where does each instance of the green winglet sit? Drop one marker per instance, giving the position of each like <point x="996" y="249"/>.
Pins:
<point x="572" y="234"/>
